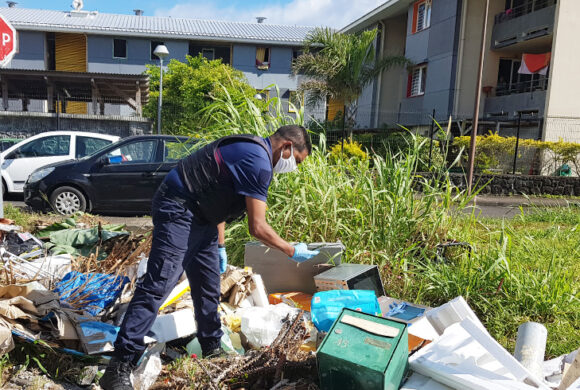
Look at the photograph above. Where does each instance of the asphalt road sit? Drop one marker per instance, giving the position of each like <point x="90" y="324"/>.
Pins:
<point x="484" y="207"/>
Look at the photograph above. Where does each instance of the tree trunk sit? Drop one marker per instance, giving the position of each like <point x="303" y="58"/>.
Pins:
<point x="350" y="117"/>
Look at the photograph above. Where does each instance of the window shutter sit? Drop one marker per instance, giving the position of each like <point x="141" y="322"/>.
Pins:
<point x="409" y="83"/>
<point x="415" y="14"/>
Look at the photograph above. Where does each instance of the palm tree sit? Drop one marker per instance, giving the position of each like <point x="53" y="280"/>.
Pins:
<point x="340" y="66"/>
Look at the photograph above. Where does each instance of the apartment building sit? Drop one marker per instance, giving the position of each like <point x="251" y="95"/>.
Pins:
<point x="530" y="50"/>
<point x="108" y="53"/>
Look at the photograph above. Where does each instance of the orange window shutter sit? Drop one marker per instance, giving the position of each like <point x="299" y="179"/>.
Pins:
<point x="415" y="15"/>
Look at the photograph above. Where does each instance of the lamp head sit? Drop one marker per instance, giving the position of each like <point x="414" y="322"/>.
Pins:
<point x="161" y="51"/>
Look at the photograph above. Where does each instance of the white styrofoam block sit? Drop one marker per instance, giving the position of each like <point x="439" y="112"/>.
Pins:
<point x="467" y="357"/>
<point x="421" y="382"/>
<point x="173" y="326"/>
<point x="422" y="328"/>
<point x="450" y="313"/>
<point x="259" y="295"/>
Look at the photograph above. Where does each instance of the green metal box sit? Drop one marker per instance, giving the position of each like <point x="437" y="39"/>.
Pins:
<point x="358" y="353"/>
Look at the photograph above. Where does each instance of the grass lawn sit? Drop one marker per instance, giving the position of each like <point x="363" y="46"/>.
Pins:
<point x="522" y="269"/>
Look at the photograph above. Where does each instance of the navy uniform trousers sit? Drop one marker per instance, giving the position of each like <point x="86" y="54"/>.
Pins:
<point x="180" y="242"/>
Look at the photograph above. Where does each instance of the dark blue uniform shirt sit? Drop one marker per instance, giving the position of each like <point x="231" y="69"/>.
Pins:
<point x="249" y="167"/>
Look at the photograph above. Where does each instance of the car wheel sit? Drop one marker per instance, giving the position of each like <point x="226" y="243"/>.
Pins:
<point x="68" y="201"/>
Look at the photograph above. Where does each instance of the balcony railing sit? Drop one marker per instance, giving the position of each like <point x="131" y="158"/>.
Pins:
<point x="527" y="7"/>
<point x="540" y="84"/>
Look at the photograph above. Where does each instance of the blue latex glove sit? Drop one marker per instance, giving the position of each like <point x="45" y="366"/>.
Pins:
<point x="223" y="259"/>
<point x="301" y="253"/>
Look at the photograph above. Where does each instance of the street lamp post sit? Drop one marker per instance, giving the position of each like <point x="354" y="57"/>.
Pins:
<point x="161" y="52"/>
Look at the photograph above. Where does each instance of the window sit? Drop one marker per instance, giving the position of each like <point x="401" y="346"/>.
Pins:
<point x="509" y="81"/>
<point x="263" y="58"/>
<point x="134" y="153"/>
<point x="295" y="100"/>
<point x="176" y="150"/>
<point x="208" y="53"/>
<point x="119" y="48"/>
<point x="296" y="53"/>
<point x="54" y="145"/>
<point x="421" y="15"/>
<point x="205" y="49"/>
<point x="154" y="44"/>
<point x="86" y="146"/>
<point x="416" y="82"/>
<point x="265" y="94"/>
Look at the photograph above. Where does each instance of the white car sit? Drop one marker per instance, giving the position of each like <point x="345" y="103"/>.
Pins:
<point x="20" y="160"/>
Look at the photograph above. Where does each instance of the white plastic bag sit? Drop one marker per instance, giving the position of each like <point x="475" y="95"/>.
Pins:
<point x="261" y="325"/>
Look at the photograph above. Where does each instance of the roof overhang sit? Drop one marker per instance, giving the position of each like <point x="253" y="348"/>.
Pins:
<point x="76" y="86"/>
<point x="389" y="9"/>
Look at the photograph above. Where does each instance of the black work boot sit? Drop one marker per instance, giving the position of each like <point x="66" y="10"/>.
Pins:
<point x="213" y="353"/>
<point x="117" y="376"/>
<point x="211" y="348"/>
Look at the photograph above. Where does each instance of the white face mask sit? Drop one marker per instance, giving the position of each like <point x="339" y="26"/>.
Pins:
<point x="285" y="165"/>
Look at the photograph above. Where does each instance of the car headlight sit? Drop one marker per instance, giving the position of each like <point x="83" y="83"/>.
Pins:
<point x="39" y="174"/>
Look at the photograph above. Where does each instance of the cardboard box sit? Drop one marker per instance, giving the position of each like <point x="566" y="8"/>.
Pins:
<point x="351" y="277"/>
<point x="362" y="351"/>
<point x="295" y="299"/>
<point x="281" y="274"/>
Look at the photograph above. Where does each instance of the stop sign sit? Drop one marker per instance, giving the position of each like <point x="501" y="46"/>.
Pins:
<point x="8" y="43"/>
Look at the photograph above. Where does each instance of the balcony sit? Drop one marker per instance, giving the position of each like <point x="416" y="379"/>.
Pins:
<point x="532" y="19"/>
<point x="522" y="96"/>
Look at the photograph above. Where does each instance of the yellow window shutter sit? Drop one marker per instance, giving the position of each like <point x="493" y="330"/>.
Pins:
<point x="71" y="56"/>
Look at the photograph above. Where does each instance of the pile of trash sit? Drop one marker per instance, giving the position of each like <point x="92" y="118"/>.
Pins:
<point x="318" y="324"/>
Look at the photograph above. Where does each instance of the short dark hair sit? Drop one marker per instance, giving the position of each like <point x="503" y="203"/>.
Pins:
<point x="297" y="134"/>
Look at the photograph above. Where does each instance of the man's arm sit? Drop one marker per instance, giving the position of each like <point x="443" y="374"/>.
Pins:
<point x="221" y="233"/>
<point x="260" y="229"/>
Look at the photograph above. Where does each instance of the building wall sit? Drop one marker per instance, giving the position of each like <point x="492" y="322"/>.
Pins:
<point x="468" y="56"/>
<point x="435" y="46"/>
<point x="100" y="54"/>
<point x="31" y="48"/>
<point x="393" y="81"/>
<point x="562" y="103"/>
<point x="244" y="59"/>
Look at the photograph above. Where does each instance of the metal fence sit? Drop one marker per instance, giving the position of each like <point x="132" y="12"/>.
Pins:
<point x="524" y="144"/>
<point x="518" y="154"/>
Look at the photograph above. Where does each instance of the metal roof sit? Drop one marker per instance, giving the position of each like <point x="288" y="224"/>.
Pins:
<point x="152" y="26"/>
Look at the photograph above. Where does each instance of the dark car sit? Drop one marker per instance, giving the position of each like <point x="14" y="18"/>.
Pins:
<point x="5" y="143"/>
<point x="120" y="178"/>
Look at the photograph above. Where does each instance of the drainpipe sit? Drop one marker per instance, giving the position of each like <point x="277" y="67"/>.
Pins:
<point x="460" y="55"/>
<point x="379" y="77"/>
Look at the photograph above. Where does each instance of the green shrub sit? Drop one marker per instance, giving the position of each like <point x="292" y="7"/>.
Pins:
<point x="496" y="152"/>
<point x="348" y="150"/>
<point x="191" y="86"/>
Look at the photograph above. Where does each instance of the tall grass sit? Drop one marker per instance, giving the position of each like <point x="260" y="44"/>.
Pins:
<point x="369" y="205"/>
<point x="520" y="270"/>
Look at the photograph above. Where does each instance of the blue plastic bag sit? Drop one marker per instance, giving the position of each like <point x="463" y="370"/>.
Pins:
<point x="91" y="292"/>
<point x="327" y="305"/>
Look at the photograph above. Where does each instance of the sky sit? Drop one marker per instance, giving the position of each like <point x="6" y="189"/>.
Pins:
<point x="332" y="13"/>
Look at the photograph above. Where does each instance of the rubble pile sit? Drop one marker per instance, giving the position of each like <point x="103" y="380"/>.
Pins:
<point x="317" y="324"/>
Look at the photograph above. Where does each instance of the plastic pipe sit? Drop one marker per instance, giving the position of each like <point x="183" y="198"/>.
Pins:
<point x="531" y="347"/>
